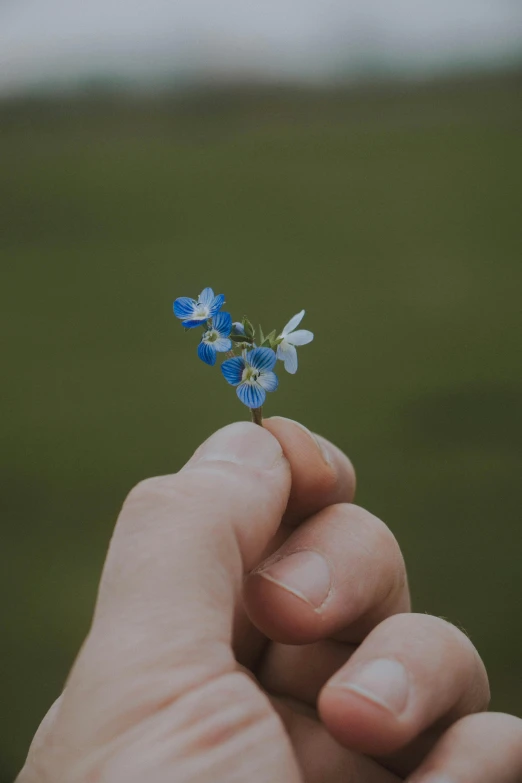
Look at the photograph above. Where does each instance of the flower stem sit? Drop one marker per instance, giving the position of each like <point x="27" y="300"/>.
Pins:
<point x="257" y="415"/>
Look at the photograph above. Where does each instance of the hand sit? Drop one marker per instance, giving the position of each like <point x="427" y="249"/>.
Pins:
<point x="253" y="625"/>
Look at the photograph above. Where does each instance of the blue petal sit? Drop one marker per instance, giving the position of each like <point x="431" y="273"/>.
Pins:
<point x="238" y="328"/>
<point x="183" y="307"/>
<point x="192" y="322"/>
<point x="251" y="394"/>
<point x="222" y="323"/>
<point x="268" y="380"/>
<point x="217" y="303"/>
<point x="207" y="353"/>
<point x="262" y="358"/>
<point x="206" y="296"/>
<point x="232" y="370"/>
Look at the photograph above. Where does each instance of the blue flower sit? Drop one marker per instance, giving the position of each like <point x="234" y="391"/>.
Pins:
<point x="196" y="313"/>
<point x="216" y="338"/>
<point x="252" y="374"/>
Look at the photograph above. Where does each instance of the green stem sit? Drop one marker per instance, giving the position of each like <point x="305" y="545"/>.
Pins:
<point x="257" y="415"/>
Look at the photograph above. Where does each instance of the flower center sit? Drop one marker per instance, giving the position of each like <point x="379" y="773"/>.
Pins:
<point x="250" y="374"/>
<point x="211" y="336"/>
<point x="201" y="311"/>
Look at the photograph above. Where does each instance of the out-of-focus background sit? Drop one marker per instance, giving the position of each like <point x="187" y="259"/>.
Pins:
<point x="358" y="159"/>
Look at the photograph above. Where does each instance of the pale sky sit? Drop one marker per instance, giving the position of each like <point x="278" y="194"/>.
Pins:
<point x="66" y="39"/>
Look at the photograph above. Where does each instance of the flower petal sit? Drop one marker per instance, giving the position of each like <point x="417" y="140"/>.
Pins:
<point x="268" y="380"/>
<point x="238" y="328"/>
<point x="183" y="307"/>
<point x="206" y="297"/>
<point x="261" y="358"/>
<point x="222" y="344"/>
<point x="301" y="337"/>
<point x="292" y="323"/>
<point x="207" y="353"/>
<point x="288" y="355"/>
<point x="217" y="304"/>
<point x="191" y="323"/>
<point x="222" y="323"/>
<point x="251" y="394"/>
<point x="232" y="370"/>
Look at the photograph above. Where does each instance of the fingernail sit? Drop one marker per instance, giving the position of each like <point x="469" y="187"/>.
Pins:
<point x="323" y="449"/>
<point x="383" y="681"/>
<point x="242" y="443"/>
<point x="305" y="574"/>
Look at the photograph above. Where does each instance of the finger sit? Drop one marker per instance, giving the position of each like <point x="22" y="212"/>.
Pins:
<point x="321" y="474"/>
<point x="340" y="573"/>
<point x="300" y="671"/>
<point x="173" y="575"/>
<point x="482" y="748"/>
<point x="320" y="757"/>
<point x="412" y="671"/>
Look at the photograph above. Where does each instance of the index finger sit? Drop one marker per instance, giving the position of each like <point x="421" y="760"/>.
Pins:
<point x="322" y="475"/>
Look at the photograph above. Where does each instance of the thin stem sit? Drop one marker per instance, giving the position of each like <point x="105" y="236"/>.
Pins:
<point x="257" y="415"/>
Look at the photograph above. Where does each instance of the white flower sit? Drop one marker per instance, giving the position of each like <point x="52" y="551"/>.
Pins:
<point x="289" y="339"/>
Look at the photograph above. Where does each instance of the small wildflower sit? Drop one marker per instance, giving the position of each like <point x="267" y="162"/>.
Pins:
<point x="216" y="339"/>
<point x="194" y="312"/>
<point x="250" y="359"/>
<point x="289" y="338"/>
<point x="253" y="375"/>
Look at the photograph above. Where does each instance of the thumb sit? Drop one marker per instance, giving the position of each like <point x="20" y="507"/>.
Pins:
<point x="163" y="621"/>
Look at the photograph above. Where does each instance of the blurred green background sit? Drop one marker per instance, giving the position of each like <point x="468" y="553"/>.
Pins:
<point x="391" y="214"/>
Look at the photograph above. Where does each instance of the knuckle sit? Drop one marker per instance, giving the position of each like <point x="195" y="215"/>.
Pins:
<point x="163" y="496"/>
<point x="491" y="725"/>
<point x="459" y="638"/>
<point x="375" y="530"/>
<point x="478" y="693"/>
<point x="509" y="725"/>
<point x="192" y="485"/>
<point x="451" y="632"/>
<point x="148" y="489"/>
<point x="378" y="540"/>
<point x="376" y="550"/>
<point x="426" y="628"/>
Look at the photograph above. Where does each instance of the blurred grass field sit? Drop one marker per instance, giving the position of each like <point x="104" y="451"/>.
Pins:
<point x="393" y="215"/>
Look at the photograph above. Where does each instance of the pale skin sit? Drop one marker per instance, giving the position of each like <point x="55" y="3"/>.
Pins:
<point x="253" y="625"/>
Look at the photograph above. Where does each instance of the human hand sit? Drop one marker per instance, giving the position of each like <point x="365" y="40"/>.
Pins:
<point x="253" y="625"/>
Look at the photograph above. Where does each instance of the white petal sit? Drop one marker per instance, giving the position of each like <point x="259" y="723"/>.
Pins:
<point x="288" y="355"/>
<point x="301" y="337"/>
<point x="292" y="323"/>
<point x="222" y="344"/>
<point x="280" y="350"/>
<point x="268" y="380"/>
